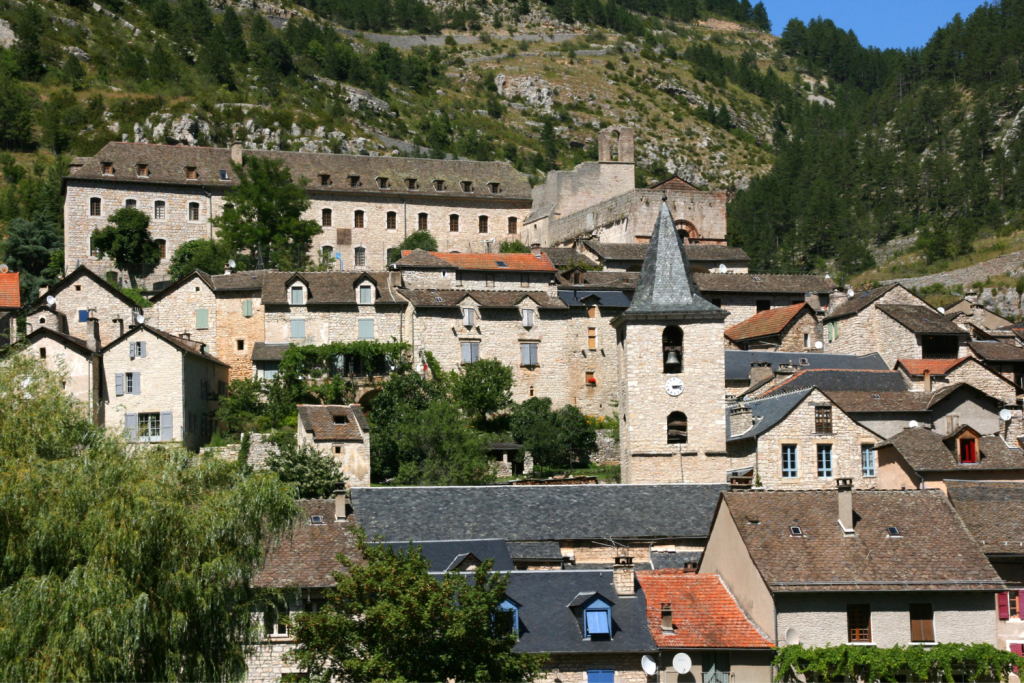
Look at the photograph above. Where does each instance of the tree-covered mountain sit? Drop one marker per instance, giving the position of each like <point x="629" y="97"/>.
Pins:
<point x="926" y="141"/>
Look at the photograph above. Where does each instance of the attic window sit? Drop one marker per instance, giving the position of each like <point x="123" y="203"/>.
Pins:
<point x="340" y="420"/>
<point x="968" y="451"/>
<point x="875" y="396"/>
<point x="757" y="279"/>
<point x="316" y="519"/>
<point x="223" y="174"/>
<point x="325" y="180"/>
<point x="383" y="183"/>
<point x="439" y="185"/>
<point x="467" y="186"/>
<point x="804" y="361"/>
<point x="191" y="173"/>
<point x="796" y="531"/>
<point x="108" y="168"/>
<point x="894" y="532"/>
<point x="501" y="264"/>
<point x="142" y="171"/>
<point x="577" y="278"/>
<point x="353" y="181"/>
<point x="495" y="188"/>
<point x="410" y="184"/>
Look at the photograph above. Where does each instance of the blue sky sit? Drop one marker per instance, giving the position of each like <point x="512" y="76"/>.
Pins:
<point x="882" y="23"/>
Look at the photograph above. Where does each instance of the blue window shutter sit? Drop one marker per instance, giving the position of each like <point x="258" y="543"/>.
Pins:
<point x="597" y="622"/>
<point x="600" y="677"/>
<point x="131" y="425"/>
<point x="83" y="316"/>
<point x="298" y="329"/>
<point x="467" y="356"/>
<point x="131" y="350"/>
<point x="142" y="347"/>
<point x="166" y="426"/>
<point x="247" y="308"/>
<point x="119" y="384"/>
<point x="366" y="329"/>
<point x="137" y="384"/>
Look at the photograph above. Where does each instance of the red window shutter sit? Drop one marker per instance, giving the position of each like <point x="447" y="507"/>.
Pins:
<point x="1020" y="601"/>
<point x="1017" y="648"/>
<point x="1004" y="605"/>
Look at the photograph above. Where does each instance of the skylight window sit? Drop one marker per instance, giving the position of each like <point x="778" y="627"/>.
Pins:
<point x="894" y="532"/>
<point x="316" y="519"/>
<point x="501" y="264"/>
<point x="875" y="396"/>
<point x="796" y="531"/>
<point x="757" y="279"/>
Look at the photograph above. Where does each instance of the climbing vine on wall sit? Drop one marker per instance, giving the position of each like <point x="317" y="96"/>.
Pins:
<point x="324" y="371"/>
<point x="936" y="663"/>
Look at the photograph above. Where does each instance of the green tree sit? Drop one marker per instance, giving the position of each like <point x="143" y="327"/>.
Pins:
<point x="73" y="72"/>
<point x="577" y="434"/>
<point x="234" y="38"/>
<point x="95" y="583"/>
<point x="313" y="473"/>
<point x="29" y="249"/>
<point x="214" y="59"/>
<point x="30" y="25"/>
<point x="513" y="247"/>
<point x="209" y="256"/>
<point x="127" y="240"/>
<point x="244" y="406"/>
<point x="421" y="239"/>
<point x="557" y="439"/>
<point x="484" y="387"/>
<point x="161" y="65"/>
<point x="760" y="18"/>
<point x="60" y="117"/>
<point x="263" y="216"/>
<point x="438" y="447"/>
<point x="15" y="113"/>
<point x="388" y="619"/>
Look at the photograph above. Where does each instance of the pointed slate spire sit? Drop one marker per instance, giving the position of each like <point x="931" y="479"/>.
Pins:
<point x="666" y="286"/>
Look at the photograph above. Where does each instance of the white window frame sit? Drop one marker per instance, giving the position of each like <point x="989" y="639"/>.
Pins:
<point x="474" y="357"/>
<point x="131" y="199"/>
<point x="199" y="212"/>
<point x="150" y="423"/>
<point x="157" y="205"/>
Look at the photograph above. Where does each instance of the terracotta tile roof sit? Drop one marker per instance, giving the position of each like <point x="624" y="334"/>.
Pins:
<point x="859" y="302"/>
<point x="928" y="451"/>
<point x="513" y="262"/>
<point x="937" y="366"/>
<point x="324" y="422"/>
<point x="994" y="351"/>
<point x="841" y="379"/>
<point x="327" y="288"/>
<point x="306" y="557"/>
<point x="10" y="290"/>
<point x="704" y="613"/>
<point x="448" y="298"/>
<point x="934" y="550"/>
<point x="766" y="323"/>
<point x="167" y="163"/>
<point x="993" y="512"/>
<point x="762" y="283"/>
<point x="920" y="319"/>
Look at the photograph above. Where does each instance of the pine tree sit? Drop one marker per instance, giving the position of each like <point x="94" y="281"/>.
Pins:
<point x="234" y="38"/>
<point x="760" y="18"/>
<point x="16" y="131"/>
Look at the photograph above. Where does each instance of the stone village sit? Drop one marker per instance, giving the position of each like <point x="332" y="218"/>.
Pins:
<point x="800" y="462"/>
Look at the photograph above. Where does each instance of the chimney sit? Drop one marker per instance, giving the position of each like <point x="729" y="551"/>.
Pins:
<point x="92" y="334"/>
<point x="927" y="381"/>
<point x="845" y="487"/>
<point x="236" y="153"/>
<point x="340" y="503"/>
<point x="741" y="419"/>
<point x="759" y="371"/>
<point x="535" y="249"/>
<point x="624" y="577"/>
<point x="787" y="368"/>
<point x="228" y="269"/>
<point x="186" y="335"/>
<point x="666" y="617"/>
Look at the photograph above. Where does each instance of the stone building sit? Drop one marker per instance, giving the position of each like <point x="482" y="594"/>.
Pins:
<point x="340" y="432"/>
<point x="790" y="328"/>
<point x="79" y="360"/>
<point x="162" y="388"/>
<point x="880" y="568"/>
<point x="365" y="205"/>
<point x="747" y="372"/>
<point x="81" y="297"/>
<point x="1005" y="359"/>
<point x="799" y="440"/>
<point x="629" y="257"/>
<point x="671" y="371"/>
<point x="936" y="373"/>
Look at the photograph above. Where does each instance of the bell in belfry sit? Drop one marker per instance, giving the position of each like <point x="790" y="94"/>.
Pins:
<point x="672" y="361"/>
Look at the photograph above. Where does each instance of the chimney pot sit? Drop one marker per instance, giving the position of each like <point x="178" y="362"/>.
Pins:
<point x="236" y="153"/>
<point x="624" y="578"/>
<point x="92" y="334"/>
<point x="340" y="503"/>
<point x="535" y="249"/>
<point x="845" y="487"/>
<point x="927" y="381"/>
<point x="760" y="371"/>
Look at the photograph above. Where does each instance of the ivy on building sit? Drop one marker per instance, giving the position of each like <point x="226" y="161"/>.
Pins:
<point x="325" y="371"/>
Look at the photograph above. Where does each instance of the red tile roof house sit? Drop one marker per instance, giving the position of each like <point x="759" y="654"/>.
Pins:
<point x="936" y="373"/>
<point x="790" y="328"/>
<point x="10" y="302"/>
<point x="695" y="615"/>
<point x="879" y="568"/>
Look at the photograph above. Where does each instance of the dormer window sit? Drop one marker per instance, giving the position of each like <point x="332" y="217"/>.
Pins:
<point x="107" y="167"/>
<point x="410" y="184"/>
<point x="468" y="317"/>
<point x="968" y="451"/>
<point x="495" y="188"/>
<point x="296" y="295"/>
<point x="340" y="420"/>
<point x="365" y="295"/>
<point x="597" y="620"/>
<point x="191" y="173"/>
<point x="142" y="171"/>
<point x="467" y="186"/>
<point x="383" y="183"/>
<point x="439" y="185"/>
<point x="353" y="181"/>
<point x="325" y="180"/>
<point x="507" y="618"/>
<point x="577" y="277"/>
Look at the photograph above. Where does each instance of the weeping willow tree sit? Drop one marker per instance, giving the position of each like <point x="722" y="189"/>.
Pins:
<point x="119" y="562"/>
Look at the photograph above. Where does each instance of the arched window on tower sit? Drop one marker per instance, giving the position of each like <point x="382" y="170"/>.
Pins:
<point x="677" y="427"/>
<point x="687" y="231"/>
<point x="614" y="148"/>
<point x="672" y="349"/>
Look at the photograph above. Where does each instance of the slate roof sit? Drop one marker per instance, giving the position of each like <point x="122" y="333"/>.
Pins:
<point x="603" y="280"/>
<point x="327" y="288"/>
<point x="762" y="283"/>
<point x="574" y="298"/>
<point x="262" y="351"/>
<point x="534" y="550"/>
<point x="10" y="291"/>
<point x="623" y="251"/>
<point x="519" y="263"/>
<point x="767" y="412"/>
<point x="188" y="346"/>
<point x="240" y="280"/>
<point x="828" y="379"/>
<point x="920" y="319"/>
<point x="666" y="285"/>
<point x="737" y="363"/>
<point x="766" y="323"/>
<point x="993" y="511"/>
<point x="536" y="513"/>
<point x="566" y="257"/>
<point x="880" y="401"/>
<point x="704" y="612"/>
<point x="937" y="366"/>
<point x="321" y="419"/>
<point x="306" y="557"/>
<point x="443" y="555"/>
<point x="449" y="298"/>
<point x="993" y="351"/>
<point x="167" y="165"/>
<point x="934" y="552"/>
<point x="859" y="302"/>
<point x="927" y="451"/>
<point x="84" y="271"/>
<point x="662" y="560"/>
<point x="548" y="624"/>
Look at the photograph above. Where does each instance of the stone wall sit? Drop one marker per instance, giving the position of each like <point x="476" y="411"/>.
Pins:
<point x="176" y="312"/>
<point x="267" y="665"/>
<point x="333" y="323"/>
<point x="607" y="449"/>
<point x="970" y="372"/>
<point x="353" y="456"/>
<point x="572" y="668"/>
<point x="743" y="305"/>
<point x="600" y="396"/>
<point x="801" y="334"/>
<point x="862" y="334"/>
<point x="82" y="373"/>
<point x="83" y="293"/>
<point x="235" y="327"/>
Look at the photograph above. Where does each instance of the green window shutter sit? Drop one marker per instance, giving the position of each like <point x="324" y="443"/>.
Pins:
<point x="247" y="308"/>
<point x="202" y="318"/>
<point x="366" y="329"/>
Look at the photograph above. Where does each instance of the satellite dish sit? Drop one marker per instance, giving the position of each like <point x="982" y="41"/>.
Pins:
<point x="649" y="665"/>
<point x="818" y="345"/>
<point x="231" y="263"/>
<point x="940" y="309"/>
<point x="722" y="268"/>
<point x="912" y="424"/>
<point x="1005" y="415"/>
<point x="850" y="292"/>
<point x="140" y="318"/>
<point x="681" y="663"/>
<point x="50" y="300"/>
<point x="3" y="268"/>
<point x="791" y="637"/>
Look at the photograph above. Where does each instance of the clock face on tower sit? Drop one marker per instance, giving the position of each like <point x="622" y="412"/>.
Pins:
<point x="674" y="386"/>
